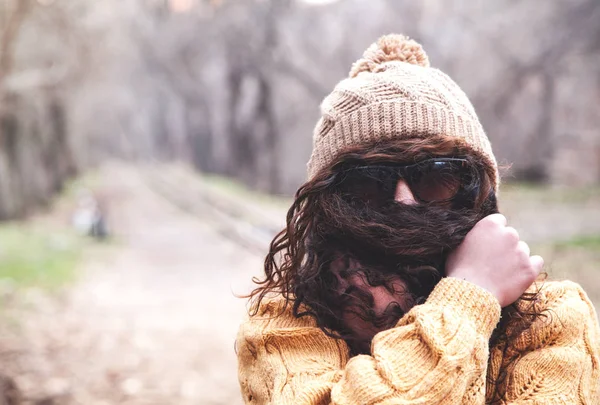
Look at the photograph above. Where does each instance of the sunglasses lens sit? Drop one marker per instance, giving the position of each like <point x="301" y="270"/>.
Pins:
<point x="436" y="181"/>
<point x="370" y="185"/>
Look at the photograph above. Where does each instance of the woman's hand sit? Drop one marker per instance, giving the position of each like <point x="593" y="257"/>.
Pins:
<point x="492" y="256"/>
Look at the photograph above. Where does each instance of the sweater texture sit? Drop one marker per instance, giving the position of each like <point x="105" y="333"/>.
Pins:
<point x="438" y="353"/>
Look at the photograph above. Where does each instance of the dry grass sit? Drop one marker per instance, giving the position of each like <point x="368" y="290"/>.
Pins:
<point x="31" y="257"/>
<point x="577" y="259"/>
<point x="563" y="226"/>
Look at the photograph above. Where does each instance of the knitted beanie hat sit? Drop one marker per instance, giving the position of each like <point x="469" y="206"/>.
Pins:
<point x="392" y="92"/>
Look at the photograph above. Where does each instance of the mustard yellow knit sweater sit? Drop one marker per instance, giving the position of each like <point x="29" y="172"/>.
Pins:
<point x="437" y="354"/>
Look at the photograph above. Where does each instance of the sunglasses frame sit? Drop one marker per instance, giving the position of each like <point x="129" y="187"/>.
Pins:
<point x="459" y="199"/>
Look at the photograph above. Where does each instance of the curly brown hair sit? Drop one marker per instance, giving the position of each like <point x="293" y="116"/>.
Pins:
<point x="395" y="240"/>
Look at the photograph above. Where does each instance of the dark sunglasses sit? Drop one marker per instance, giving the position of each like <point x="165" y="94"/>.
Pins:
<point x="452" y="182"/>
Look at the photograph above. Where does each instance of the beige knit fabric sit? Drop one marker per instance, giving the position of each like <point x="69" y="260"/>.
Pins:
<point x="392" y="92"/>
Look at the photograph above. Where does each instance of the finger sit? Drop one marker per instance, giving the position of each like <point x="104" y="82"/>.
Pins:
<point x="537" y="262"/>
<point x="497" y="218"/>
<point x="513" y="233"/>
<point x="524" y="247"/>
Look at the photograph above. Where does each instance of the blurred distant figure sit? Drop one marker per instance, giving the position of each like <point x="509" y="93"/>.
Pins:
<point x="88" y="218"/>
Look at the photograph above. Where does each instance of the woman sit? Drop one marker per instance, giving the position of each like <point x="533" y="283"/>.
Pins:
<point x="396" y="281"/>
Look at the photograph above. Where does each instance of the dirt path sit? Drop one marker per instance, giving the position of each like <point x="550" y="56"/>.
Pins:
<point x="153" y="319"/>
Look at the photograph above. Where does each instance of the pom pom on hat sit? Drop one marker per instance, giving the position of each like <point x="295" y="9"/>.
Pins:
<point x="389" y="48"/>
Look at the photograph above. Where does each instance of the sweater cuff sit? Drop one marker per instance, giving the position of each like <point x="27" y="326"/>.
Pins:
<point x="469" y="301"/>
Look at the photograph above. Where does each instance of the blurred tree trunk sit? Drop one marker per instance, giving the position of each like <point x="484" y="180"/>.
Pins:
<point x="35" y="154"/>
<point x="539" y="147"/>
<point x="9" y="392"/>
<point x="14" y="18"/>
<point x="265" y="117"/>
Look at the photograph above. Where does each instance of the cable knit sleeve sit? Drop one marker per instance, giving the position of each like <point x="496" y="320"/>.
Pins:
<point x="437" y="354"/>
<point x="557" y="359"/>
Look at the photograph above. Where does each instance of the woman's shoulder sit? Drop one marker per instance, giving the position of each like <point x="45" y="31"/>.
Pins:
<point x="554" y="295"/>
<point x="273" y="329"/>
<point x="563" y="315"/>
<point x="276" y="315"/>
